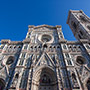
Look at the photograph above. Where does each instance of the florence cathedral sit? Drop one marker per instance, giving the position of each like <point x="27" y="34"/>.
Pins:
<point x="45" y="60"/>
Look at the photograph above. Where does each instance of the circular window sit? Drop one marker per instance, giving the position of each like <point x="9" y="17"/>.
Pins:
<point x="46" y="38"/>
<point x="10" y="60"/>
<point x="80" y="60"/>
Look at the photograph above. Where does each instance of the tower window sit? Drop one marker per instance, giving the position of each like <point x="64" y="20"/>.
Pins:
<point x="74" y="24"/>
<point x="88" y="26"/>
<point x="83" y="18"/>
<point x="81" y="33"/>
<point x="79" y="36"/>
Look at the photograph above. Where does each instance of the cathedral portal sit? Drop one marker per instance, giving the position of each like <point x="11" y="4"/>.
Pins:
<point x="44" y="79"/>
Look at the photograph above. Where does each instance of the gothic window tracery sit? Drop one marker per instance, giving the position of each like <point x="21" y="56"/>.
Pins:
<point x="83" y="18"/>
<point x="68" y="59"/>
<point x="74" y="25"/>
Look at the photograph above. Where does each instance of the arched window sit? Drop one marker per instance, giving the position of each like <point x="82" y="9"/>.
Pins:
<point x="10" y="60"/>
<point x="19" y="46"/>
<point x="88" y="26"/>
<point x="39" y="47"/>
<point x="74" y="25"/>
<point x="83" y="18"/>
<point x="45" y="46"/>
<point x="2" y="84"/>
<point x="88" y="84"/>
<point x="54" y="47"/>
<point x="17" y="75"/>
<point x="31" y="48"/>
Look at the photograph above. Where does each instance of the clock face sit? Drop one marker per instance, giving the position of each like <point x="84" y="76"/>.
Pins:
<point x="46" y="38"/>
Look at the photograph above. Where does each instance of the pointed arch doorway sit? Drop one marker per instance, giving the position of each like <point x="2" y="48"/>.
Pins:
<point x="44" y="79"/>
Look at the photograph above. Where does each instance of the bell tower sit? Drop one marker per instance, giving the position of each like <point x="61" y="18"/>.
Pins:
<point x="79" y="24"/>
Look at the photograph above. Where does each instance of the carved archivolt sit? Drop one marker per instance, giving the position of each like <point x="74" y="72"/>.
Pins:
<point x="42" y="70"/>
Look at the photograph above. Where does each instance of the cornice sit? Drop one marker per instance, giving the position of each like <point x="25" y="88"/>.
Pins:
<point x="7" y="41"/>
<point x="26" y="41"/>
<point x="40" y="26"/>
<point x="4" y="41"/>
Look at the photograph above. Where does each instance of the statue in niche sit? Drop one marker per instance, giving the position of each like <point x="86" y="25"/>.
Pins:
<point x="74" y="81"/>
<point x="45" y="79"/>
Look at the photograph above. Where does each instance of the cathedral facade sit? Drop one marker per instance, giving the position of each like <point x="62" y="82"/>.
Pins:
<point x="45" y="60"/>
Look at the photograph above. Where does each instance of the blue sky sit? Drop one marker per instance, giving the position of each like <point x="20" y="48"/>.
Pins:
<point x="16" y="15"/>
